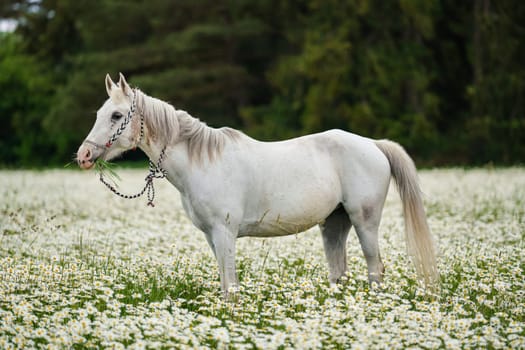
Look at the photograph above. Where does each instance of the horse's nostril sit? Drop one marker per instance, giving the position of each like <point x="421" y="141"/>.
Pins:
<point x="88" y="153"/>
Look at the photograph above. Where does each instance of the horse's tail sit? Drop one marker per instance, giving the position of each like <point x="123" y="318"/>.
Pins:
<point x="417" y="233"/>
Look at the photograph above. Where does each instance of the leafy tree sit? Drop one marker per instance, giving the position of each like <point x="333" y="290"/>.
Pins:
<point x="496" y="127"/>
<point x="444" y="78"/>
<point x="24" y="101"/>
<point x="359" y="67"/>
<point x="208" y="63"/>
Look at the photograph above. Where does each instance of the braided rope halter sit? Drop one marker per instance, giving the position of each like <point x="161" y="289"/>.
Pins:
<point x="155" y="170"/>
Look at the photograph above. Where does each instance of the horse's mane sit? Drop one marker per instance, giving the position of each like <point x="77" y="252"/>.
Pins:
<point x="169" y="125"/>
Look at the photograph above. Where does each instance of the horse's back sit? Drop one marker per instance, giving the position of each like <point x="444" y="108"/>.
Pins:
<point x="329" y="154"/>
<point x="352" y="152"/>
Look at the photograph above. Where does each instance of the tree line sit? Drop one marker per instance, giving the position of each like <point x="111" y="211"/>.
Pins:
<point x="444" y="78"/>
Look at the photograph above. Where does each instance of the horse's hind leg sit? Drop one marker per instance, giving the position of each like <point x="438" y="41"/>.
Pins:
<point x="366" y="222"/>
<point x="335" y="231"/>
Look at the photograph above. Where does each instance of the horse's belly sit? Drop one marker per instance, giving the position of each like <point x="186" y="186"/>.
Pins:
<point x="273" y="229"/>
<point x="269" y="224"/>
<point x="290" y="208"/>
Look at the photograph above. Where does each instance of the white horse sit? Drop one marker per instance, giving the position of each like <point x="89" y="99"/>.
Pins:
<point x="234" y="186"/>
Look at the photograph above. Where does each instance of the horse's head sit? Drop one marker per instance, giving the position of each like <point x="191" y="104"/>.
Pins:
<point x="101" y="140"/>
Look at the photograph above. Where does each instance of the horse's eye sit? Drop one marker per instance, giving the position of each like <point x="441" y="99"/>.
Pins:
<point x="116" y="116"/>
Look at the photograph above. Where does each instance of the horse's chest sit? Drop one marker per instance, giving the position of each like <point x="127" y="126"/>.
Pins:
<point x="195" y="215"/>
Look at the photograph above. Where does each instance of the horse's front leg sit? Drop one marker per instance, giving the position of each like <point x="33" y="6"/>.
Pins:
<point x="222" y="242"/>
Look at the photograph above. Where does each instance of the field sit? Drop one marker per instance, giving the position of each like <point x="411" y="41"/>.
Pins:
<point x="81" y="268"/>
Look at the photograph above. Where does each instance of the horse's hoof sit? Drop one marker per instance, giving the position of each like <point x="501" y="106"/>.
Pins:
<point x="232" y="295"/>
<point x="376" y="286"/>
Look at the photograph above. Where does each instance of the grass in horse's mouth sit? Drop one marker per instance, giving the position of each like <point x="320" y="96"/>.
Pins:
<point x="107" y="170"/>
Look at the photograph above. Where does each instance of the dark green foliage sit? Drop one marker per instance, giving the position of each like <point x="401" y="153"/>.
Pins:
<point x="24" y="100"/>
<point x="444" y="78"/>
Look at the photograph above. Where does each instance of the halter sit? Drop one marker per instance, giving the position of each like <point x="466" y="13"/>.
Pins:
<point x="155" y="170"/>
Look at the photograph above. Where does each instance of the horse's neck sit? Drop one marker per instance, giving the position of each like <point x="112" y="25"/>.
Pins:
<point x="154" y="139"/>
<point x="152" y="150"/>
<point x="190" y="145"/>
<point x="175" y="160"/>
<point x="203" y="143"/>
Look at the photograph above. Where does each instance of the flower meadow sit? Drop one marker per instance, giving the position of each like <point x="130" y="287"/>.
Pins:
<point x="81" y="268"/>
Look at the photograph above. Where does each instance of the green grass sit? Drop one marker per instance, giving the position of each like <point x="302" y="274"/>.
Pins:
<point x="81" y="269"/>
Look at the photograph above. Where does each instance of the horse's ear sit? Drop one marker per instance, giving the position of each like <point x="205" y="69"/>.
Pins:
<point x="109" y="84"/>
<point x="126" y="89"/>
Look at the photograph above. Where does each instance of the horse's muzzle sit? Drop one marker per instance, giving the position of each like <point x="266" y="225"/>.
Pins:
<point x="87" y="155"/>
